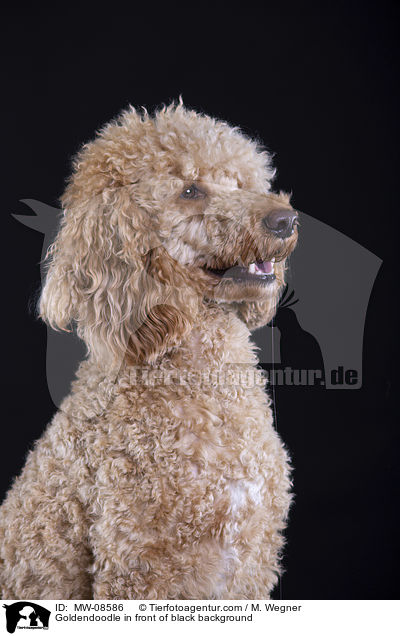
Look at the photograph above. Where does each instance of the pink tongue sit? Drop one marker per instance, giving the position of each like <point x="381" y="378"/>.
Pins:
<point x="265" y="266"/>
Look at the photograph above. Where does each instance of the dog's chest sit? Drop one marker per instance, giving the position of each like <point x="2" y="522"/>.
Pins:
<point x="199" y="446"/>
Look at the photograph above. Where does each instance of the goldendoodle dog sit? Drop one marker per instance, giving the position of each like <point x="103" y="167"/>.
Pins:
<point x="162" y="475"/>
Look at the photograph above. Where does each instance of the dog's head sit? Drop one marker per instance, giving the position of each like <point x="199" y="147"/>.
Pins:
<point x="163" y="216"/>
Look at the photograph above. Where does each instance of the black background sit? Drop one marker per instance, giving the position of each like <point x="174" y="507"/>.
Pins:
<point x="318" y="85"/>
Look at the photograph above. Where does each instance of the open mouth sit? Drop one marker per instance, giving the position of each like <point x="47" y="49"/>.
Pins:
<point x="258" y="272"/>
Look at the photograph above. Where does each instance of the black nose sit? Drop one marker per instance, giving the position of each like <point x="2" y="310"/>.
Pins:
<point x="280" y="222"/>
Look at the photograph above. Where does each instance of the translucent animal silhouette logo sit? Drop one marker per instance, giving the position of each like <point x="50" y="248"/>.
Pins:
<point x="330" y="278"/>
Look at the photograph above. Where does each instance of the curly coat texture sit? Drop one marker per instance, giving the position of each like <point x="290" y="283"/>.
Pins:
<point x="162" y="475"/>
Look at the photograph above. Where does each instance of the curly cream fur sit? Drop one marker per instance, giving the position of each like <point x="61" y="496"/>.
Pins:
<point x="162" y="475"/>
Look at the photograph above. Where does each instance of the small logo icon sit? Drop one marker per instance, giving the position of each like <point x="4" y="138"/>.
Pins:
<point x="26" y="615"/>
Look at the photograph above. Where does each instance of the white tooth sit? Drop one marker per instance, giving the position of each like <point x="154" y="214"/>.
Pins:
<point x="252" y="268"/>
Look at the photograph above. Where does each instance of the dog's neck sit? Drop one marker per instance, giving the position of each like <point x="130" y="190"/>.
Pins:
<point x="219" y="342"/>
<point x="219" y="337"/>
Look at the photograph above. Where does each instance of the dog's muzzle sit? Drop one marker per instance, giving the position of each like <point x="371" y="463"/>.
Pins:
<point x="279" y="224"/>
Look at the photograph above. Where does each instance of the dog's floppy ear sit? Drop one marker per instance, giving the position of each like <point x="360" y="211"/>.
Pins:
<point x="108" y="275"/>
<point x="168" y="303"/>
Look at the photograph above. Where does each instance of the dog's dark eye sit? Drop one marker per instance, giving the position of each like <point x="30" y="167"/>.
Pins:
<point x="192" y="193"/>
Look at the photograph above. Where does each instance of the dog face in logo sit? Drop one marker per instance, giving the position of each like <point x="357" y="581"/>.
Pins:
<point x="26" y="614"/>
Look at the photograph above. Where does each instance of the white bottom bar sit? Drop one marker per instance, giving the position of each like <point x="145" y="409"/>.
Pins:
<point x="155" y="617"/>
